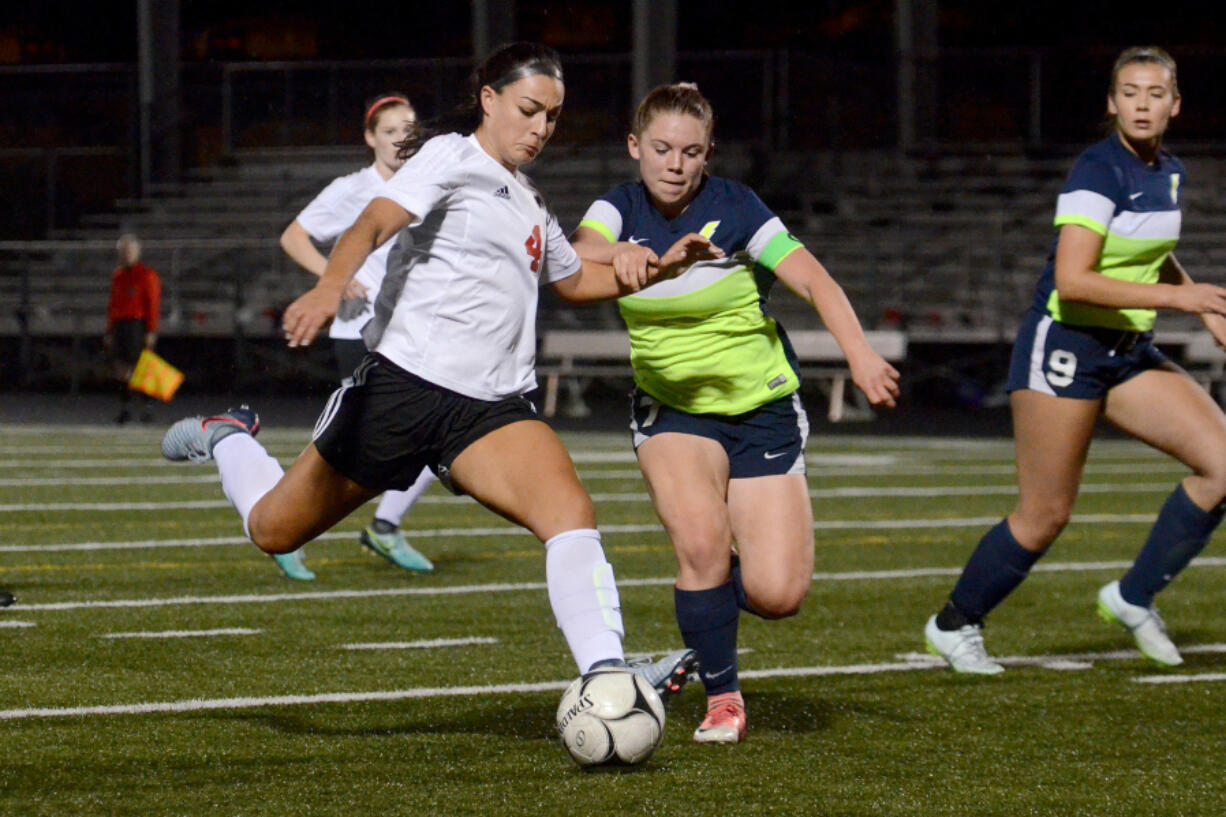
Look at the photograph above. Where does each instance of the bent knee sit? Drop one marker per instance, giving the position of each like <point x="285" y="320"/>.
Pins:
<point x="780" y="603"/>
<point x="1036" y="527"/>
<point x="271" y="539"/>
<point x="1213" y="476"/>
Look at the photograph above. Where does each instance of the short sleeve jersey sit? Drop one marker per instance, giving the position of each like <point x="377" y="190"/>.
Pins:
<point x="458" y="306"/>
<point x="1135" y="208"/>
<point x="331" y="213"/>
<point x="703" y="342"/>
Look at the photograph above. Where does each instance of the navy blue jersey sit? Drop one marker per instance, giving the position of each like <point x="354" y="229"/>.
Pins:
<point x="1135" y="208"/>
<point x="702" y="342"/>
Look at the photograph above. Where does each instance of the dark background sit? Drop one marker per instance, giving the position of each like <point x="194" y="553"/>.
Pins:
<point x="66" y="32"/>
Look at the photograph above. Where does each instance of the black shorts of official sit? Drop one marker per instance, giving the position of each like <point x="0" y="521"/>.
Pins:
<point x="128" y="340"/>
<point x="349" y="355"/>
<point x="1082" y="362"/>
<point x="386" y="426"/>
<point x="768" y="441"/>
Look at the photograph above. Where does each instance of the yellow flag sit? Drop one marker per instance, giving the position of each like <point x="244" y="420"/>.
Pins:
<point x="155" y="377"/>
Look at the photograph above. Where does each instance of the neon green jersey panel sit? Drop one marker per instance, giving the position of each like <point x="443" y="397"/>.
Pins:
<point x="1126" y="259"/>
<point x="710" y="351"/>
<point x="1134" y="207"/>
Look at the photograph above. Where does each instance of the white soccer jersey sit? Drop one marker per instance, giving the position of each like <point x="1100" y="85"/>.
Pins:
<point x="331" y="213"/>
<point x="458" y="307"/>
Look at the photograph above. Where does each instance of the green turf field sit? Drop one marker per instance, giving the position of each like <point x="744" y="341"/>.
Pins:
<point x="158" y="664"/>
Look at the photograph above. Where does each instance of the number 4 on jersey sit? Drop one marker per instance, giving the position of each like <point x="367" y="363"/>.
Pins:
<point x="533" y="244"/>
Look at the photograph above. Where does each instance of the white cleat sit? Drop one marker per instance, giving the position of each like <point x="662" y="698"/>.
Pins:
<point x="1146" y="626"/>
<point x="962" y="649"/>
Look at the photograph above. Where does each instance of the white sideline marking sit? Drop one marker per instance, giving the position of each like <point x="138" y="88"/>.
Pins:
<point x="853" y="492"/>
<point x="205" y="704"/>
<point x="511" y="531"/>
<point x="418" y="645"/>
<point x="1180" y="679"/>
<point x="458" y="590"/>
<point x="185" y="633"/>
<point x="821" y="468"/>
<point x="201" y="705"/>
<point x="15" y="624"/>
<point x="62" y="507"/>
<point x="164" y="479"/>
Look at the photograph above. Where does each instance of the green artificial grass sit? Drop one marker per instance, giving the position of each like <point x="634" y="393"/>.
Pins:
<point x="109" y="551"/>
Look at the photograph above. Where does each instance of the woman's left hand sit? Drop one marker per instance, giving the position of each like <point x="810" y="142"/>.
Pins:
<point x="876" y="378"/>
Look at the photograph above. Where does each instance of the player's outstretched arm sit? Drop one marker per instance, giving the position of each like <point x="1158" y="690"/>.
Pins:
<point x="629" y="267"/>
<point x="630" y="262"/>
<point x="872" y="373"/>
<point x="306" y="316"/>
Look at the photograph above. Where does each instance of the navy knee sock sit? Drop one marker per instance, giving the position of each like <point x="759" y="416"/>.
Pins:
<point x="996" y="567"/>
<point x="708" y="621"/>
<point x="1180" y="532"/>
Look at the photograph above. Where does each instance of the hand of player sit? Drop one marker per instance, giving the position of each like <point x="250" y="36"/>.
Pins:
<point x="633" y="264"/>
<point x="688" y="250"/>
<point x="355" y="289"/>
<point x="876" y="378"/>
<point x="308" y="314"/>
<point x="1200" y="298"/>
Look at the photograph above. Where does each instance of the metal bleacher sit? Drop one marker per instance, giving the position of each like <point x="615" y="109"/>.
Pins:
<point x="944" y="248"/>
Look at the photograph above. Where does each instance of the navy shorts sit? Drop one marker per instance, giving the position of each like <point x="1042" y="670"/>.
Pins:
<point x="1083" y="362"/>
<point x="767" y="441"/>
<point x="382" y="429"/>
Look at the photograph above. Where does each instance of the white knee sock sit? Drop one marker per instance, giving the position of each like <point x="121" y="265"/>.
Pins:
<point x="584" y="596"/>
<point x="247" y="472"/>
<point x="395" y="504"/>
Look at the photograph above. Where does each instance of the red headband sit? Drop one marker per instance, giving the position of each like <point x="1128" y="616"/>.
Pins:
<point x="379" y="103"/>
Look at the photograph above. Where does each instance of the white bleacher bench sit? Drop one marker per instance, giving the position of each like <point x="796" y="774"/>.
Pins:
<point x="568" y="353"/>
<point x="1205" y="362"/>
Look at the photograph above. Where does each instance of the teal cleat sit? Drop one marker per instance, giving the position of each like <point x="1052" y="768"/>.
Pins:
<point x="388" y="541"/>
<point x="291" y="565"/>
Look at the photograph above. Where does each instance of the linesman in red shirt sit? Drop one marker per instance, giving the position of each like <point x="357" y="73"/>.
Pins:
<point x="131" y="319"/>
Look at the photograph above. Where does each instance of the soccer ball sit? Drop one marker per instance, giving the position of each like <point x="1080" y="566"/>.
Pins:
<point x="610" y="717"/>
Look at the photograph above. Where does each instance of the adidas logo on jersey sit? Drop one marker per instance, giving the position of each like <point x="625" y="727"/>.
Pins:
<point x="502" y="193"/>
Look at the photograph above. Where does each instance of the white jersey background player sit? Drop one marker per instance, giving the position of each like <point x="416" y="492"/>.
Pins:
<point x="388" y="119"/>
<point x="452" y="355"/>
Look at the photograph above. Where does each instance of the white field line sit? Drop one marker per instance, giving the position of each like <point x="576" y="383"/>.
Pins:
<point x="818" y="466"/>
<point x="185" y="633"/>
<point x="200" y="705"/>
<point x="160" y="479"/>
<point x="1181" y="679"/>
<point x="77" y="462"/>
<point x="429" y="644"/>
<point x="852" y="492"/>
<point x="508" y="587"/>
<point x="15" y="625"/>
<point x="592" y="475"/>
<point x="511" y="532"/>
